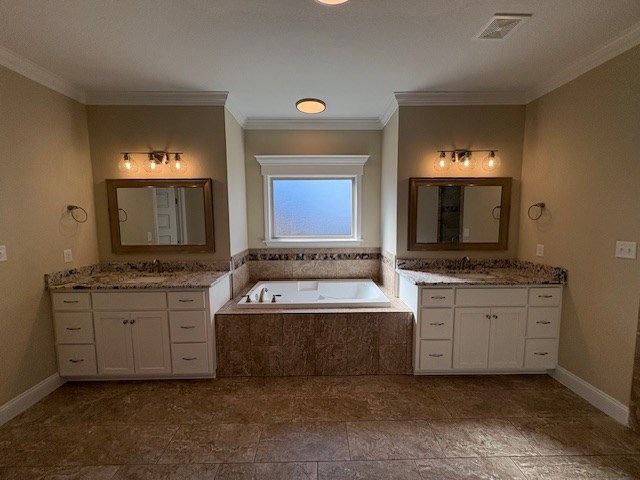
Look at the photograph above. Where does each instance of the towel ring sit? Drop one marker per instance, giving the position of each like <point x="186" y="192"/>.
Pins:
<point x="493" y="212"/>
<point x="539" y="205"/>
<point x="73" y="208"/>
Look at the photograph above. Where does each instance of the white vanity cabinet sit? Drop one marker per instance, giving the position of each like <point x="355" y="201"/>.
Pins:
<point x="138" y="333"/>
<point x="479" y="328"/>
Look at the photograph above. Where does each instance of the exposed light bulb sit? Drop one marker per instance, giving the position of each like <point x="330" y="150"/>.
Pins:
<point x="468" y="162"/>
<point x="491" y="162"/>
<point x="153" y="165"/>
<point x="442" y="163"/>
<point x="179" y="164"/>
<point x="127" y="164"/>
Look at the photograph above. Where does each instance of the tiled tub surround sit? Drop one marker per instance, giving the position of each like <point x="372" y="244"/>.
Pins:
<point x="289" y="264"/>
<point x="313" y="342"/>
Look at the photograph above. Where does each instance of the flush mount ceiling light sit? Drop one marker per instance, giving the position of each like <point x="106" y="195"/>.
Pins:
<point x="311" y="105"/>
<point x="332" y="2"/>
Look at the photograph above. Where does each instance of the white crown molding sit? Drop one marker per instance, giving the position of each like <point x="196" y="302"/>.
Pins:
<point x="388" y="112"/>
<point x="625" y="41"/>
<point x="312" y="124"/>
<point x="269" y="160"/>
<point x="157" y="98"/>
<point x="415" y="99"/>
<point x="44" y="77"/>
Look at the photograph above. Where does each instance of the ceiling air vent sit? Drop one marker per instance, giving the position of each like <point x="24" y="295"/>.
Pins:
<point x="502" y="25"/>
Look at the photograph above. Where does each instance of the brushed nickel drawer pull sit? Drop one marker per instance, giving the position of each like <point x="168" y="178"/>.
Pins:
<point x="76" y="361"/>
<point x="545" y="296"/>
<point x="185" y="300"/>
<point x="73" y="328"/>
<point x="495" y="316"/>
<point x="543" y="323"/>
<point x="439" y="297"/>
<point x="488" y="316"/>
<point x="187" y="327"/>
<point x="188" y="359"/>
<point x="436" y="355"/>
<point x="541" y="353"/>
<point x="124" y="322"/>
<point x="437" y="324"/>
<point x="132" y="321"/>
<point x="70" y="301"/>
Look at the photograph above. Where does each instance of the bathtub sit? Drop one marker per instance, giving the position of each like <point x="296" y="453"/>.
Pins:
<point x="317" y="294"/>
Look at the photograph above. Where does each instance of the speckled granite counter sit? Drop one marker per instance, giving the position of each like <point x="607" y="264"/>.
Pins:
<point x="479" y="272"/>
<point x="136" y="276"/>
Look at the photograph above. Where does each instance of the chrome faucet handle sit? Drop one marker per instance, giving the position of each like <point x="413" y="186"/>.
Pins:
<point x="248" y="297"/>
<point x="273" y="298"/>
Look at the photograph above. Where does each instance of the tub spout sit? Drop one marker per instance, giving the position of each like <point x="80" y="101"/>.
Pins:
<point x="263" y="295"/>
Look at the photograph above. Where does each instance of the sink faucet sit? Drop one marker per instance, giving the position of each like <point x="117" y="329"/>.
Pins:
<point x="156" y="265"/>
<point x="466" y="261"/>
<point x="262" y="297"/>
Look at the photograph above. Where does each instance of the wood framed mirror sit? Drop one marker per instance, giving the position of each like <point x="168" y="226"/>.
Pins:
<point x="161" y="216"/>
<point x="459" y="213"/>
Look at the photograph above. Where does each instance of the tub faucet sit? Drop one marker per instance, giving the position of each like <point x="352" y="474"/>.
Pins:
<point x="262" y="297"/>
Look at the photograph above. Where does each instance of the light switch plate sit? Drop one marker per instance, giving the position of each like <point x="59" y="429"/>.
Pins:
<point x="540" y="250"/>
<point x="3" y="253"/>
<point x="68" y="256"/>
<point x="626" y="250"/>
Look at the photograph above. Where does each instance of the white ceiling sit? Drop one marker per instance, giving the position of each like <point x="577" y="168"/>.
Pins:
<point x="269" y="53"/>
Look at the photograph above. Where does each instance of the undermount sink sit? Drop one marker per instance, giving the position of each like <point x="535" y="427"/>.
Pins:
<point x="476" y="276"/>
<point x="156" y="279"/>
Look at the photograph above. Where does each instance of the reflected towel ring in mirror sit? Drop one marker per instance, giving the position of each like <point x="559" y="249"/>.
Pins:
<point x="539" y="205"/>
<point x="73" y="209"/>
<point x="493" y="212"/>
<point x="122" y="215"/>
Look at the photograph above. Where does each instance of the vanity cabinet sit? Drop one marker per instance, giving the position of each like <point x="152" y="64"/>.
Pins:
<point x="475" y="329"/>
<point x="138" y="334"/>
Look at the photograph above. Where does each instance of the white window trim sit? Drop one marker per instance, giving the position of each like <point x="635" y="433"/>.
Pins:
<point x="312" y="166"/>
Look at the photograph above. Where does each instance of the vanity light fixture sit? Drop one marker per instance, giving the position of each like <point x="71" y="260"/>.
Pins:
<point x="311" y="105"/>
<point x="154" y="163"/>
<point x="465" y="160"/>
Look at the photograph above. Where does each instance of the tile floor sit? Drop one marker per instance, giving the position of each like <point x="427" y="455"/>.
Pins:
<point x="364" y="427"/>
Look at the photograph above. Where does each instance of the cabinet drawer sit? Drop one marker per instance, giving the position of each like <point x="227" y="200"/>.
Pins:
<point x="436" y="297"/>
<point x="189" y="358"/>
<point x="543" y="322"/>
<point x="436" y="323"/>
<point x="188" y="326"/>
<point x="186" y="300"/>
<point x="77" y="360"/>
<point x="74" y="327"/>
<point x="541" y="354"/>
<point x="544" y="296"/>
<point x="129" y="301"/>
<point x="71" y="301"/>
<point x="435" y="355"/>
<point x="491" y="297"/>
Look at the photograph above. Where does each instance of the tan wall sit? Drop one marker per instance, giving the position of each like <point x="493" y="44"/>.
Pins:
<point x="45" y="165"/>
<point x="199" y="132"/>
<point x="318" y="142"/>
<point x="581" y="159"/>
<point x="236" y="184"/>
<point x="424" y="130"/>
<point x="477" y="214"/>
<point x="139" y="215"/>
<point x="389" y="185"/>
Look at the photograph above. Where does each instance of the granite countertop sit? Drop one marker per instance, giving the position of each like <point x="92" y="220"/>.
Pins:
<point x="480" y="272"/>
<point x="134" y="276"/>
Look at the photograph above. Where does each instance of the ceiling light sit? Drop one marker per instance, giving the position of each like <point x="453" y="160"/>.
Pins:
<point x="332" y="2"/>
<point x="311" y="105"/>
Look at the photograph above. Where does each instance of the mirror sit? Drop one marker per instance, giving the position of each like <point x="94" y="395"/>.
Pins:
<point x="459" y="213"/>
<point x="160" y="215"/>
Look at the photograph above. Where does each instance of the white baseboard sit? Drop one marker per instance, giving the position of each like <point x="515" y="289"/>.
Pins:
<point x="26" y="399"/>
<point x="596" y="397"/>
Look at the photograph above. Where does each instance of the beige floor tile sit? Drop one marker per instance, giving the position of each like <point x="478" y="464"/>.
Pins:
<point x="213" y="444"/>
<point x="555" y="402"/>
<point x="407" y="405"/>
<point x="496" y="468"/>
<point x="303" y="442"/>
<point x="332" y="408"/>
<point x="481" y="404"/>
<point x="171" y="408"/>
<point x="59" y="473"/>
<point x="480" y="438"/>
<point x="373" y="470"/>
<point x="582" y="467"/>
<point x="36" y="446"/>
<point x="122" y="445"/>
<point x="252" y="409"/>
<point x="22" y="473"/>
<point x="268" y="471"/>
<point x="167" y="472"/>
<point x="396" y="440"/>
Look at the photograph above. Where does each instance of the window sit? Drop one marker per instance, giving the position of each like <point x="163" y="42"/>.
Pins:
<point x="312" y="200"/>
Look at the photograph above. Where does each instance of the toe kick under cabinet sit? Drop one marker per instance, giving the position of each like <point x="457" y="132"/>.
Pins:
<point x="137" y="334"/>
<point x="481" y="329"/>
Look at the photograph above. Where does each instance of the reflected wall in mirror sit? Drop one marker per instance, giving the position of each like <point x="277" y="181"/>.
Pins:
<point x="459" y="213"/>
<point x="160" y="215"/>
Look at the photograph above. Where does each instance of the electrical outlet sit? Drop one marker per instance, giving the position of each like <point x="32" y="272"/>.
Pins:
<point x="3" y="253"/>
<point x="626" y="250"/>
<point x="540" y="250"/>
<point x="68" y="256"/>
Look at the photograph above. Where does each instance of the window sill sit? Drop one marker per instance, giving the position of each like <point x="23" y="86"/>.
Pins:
<point x="314" y="243"/>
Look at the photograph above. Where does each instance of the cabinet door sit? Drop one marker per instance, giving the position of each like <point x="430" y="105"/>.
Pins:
<point x="113" y="343"/>
<point x="151" y="348"/>
<point x="506" y="347"/>
<point x="471" y="338"/>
